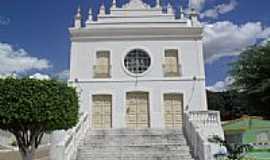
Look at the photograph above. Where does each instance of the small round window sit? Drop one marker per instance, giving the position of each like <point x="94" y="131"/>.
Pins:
<point x="137" y="61"/>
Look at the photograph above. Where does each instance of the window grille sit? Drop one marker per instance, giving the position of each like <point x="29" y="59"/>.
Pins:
<point x="137" y="61"/>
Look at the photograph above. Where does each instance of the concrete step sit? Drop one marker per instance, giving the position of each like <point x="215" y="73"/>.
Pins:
<point x="142" y="149"/>
<point x="136" y="136"/>
<point x="137" y="141"/>
<point x="172" y="146"/>
<point x="134" y="144"/>
<point x="136" y="157"/>
<point x="130" y="136"/>
<point x="129" y="132"/>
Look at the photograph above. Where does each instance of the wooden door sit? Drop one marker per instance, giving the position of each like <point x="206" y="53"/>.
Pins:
<point x="102" y="111"/>
<point x="137" y="110"/>
<point x="173" y="107"/>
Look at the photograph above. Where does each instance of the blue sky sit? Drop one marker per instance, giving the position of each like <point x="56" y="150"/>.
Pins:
<point x="34" y="34"/>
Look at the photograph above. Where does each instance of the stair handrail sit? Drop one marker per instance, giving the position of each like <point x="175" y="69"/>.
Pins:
<point x="67" y="148"/>
<point x="199" y="127"/>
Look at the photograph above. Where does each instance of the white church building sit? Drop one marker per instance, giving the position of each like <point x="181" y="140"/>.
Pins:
<point x="138" y="71"/>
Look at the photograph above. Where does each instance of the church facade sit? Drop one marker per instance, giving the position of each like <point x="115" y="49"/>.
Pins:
<point x="139" y="72"/>
<point x="138" y="67"/>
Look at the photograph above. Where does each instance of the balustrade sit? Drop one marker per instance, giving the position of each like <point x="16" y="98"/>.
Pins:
<point x="199" y="127"/>
<point x="67" y="148"/>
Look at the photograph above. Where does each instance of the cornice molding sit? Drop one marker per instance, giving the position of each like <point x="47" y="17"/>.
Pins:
<point x="179" y="79"/>
<point x="136" y="33"/>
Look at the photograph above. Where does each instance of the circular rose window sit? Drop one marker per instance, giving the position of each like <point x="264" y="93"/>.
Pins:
<point x="137" y="61"/>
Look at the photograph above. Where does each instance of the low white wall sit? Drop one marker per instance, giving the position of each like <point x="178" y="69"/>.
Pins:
<point x="199" y="127"/>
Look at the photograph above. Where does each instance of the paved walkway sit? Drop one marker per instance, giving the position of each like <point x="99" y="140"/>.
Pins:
<point x="41" y="154"/>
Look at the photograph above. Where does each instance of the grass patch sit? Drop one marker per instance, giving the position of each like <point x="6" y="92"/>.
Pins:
<point x="260" y="150"/>
<point x="259" y="154"/>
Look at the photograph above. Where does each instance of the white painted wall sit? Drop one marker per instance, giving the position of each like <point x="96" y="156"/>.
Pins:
<point x="83" y="58"/>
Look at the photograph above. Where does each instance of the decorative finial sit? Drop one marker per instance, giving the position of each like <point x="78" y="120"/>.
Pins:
<point x="158" y="3"/>
<point x="90" y="17"/>
<point x="114" y="4"/>
<point x="78" y="15"/>
<point x="193" y="12"/>
<point x="170" y="9"/>
<point x="102" y="10"/>
<point x="193" y="15"/>
<point x="90" y="14"/>
<point x="78" y="19"/>
<point x="182" y="13"/>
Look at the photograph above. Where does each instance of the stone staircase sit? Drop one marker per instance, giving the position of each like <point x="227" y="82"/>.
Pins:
<point x="134" y="144"/>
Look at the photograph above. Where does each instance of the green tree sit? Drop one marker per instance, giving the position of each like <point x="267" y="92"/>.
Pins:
<point x="231" y="104"/>
<point x="252" y="77"/>
<point x="30" y="108"/>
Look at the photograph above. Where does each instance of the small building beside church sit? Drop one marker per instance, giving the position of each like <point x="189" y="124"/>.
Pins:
<point x="248" y="130"/>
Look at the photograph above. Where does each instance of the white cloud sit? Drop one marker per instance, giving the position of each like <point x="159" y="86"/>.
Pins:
<point x="18" y="60"/>
<point x="265" y="42"/>
<point x="229" y="39"/>
<point x="219" y="9"/>
<point x="63" y="75"/>
<point x="222" y="86"/>
<point x="13" y="75"/>
<point x="40" y="76"/>
<point x="196" y="4"/>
